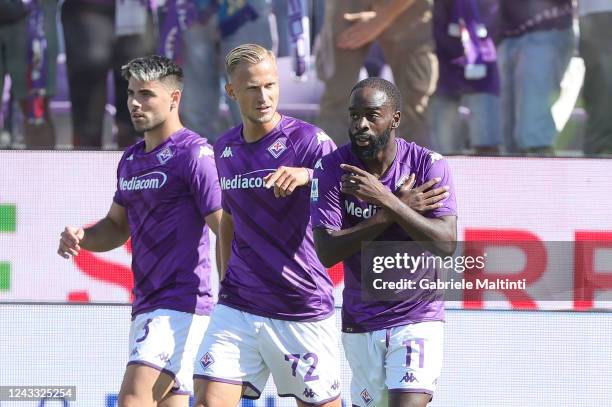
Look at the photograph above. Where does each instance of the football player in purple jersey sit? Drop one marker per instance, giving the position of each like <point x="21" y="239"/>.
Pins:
<point x="276" y="311"/>
<point x="167" y="199"/>
<point x="359" y="195"/>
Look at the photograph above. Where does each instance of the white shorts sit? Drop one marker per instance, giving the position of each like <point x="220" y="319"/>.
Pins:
<point x="168" y="341"/>
<point x="242" y="348"/>
<point x="405" y="359"/>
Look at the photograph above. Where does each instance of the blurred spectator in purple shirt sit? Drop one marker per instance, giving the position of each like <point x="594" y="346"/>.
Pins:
<point x="468" y="76"/>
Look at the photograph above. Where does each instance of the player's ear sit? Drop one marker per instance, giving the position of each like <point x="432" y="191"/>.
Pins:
<point x="396" y="120"/>
<point x="175" y="97"/>
<point x="229" y="89"/>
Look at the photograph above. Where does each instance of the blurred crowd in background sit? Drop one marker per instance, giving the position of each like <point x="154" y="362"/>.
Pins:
<point x="484" y="77"/>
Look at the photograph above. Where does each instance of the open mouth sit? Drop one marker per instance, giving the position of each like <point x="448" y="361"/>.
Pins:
<point x="363" y="141"/>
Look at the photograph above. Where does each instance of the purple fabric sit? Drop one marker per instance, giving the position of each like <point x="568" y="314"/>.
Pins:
<point x="522" y="16"/>
<point x="309" y="402"/>
<point x="101" y="2"/>
<point x="273" y="269"/>
<point x="158" y="368"/>
<point x="152" y="4"/>
<point x="167" y="193"/>
<point x="232" y="17"/>
<point x="38" y="60"/>
<point x="299" y="37"/>
<point x="426" y="391"/>
<point x="178" y="15"/>
<point x="236" y="382"/>
<point x="462" y="30"/>
<point x="329" y="210"/>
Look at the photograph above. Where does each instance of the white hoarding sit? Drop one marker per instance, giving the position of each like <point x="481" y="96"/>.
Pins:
<point x="502" y="199"/>
<point x="491" y="358"/>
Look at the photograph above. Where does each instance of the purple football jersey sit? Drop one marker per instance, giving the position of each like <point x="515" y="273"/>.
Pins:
<point x="331" y="209"/>
<point x="273" y="269"/>
<point x="167" y="193"/>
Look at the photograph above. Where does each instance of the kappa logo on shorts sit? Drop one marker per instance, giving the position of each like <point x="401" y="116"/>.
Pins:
<point x="409" y="378"/>
<point x="207" y="360"/>
<point x="309" y="393"/>
<point x="277" y="148"/>
<point x="335" y="385"/>
<point x="164" y="357"/>
<point x="366" y="396"/>
<point x="134" y="352"/>
<point x="164" y="155"/>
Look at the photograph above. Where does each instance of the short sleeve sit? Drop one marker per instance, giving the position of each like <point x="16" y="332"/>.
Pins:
<point x="315" y="147"/>
<point x="325" y="197"/>
<point x="118" y="197"/>
<point x="224" y="205"/>
<point x="202" y="180"/>
<point x="439" y="168"/>
<point x="218" y="148"/>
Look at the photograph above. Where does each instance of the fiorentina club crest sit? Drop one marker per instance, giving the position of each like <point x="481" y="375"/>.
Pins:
<point x="366" y="396"/>
<point x="207" y="360"/>
<point x="277" y="148"/>
<point x="164" y="155"/>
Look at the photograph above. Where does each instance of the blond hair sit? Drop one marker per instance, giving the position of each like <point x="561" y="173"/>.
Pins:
<point x="246" y="53"/>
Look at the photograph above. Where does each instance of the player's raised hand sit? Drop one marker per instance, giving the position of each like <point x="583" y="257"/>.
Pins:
<point x="286" y="179"/>
<point x="424" y="197"/>
<point x="364" y="185"/>
<point x="69" y="242"/>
